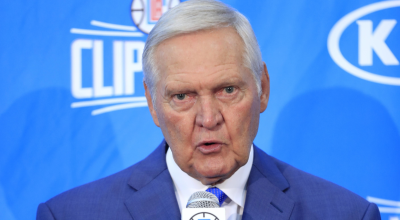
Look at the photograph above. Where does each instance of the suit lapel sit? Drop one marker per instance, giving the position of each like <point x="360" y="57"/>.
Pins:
<point x="265" y="198"/>
<point x="154" y="196"/>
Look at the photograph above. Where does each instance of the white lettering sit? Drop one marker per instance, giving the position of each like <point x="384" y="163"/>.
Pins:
<point x="98" y="71"/>
<point x="369" y="41"/>
<point x="127" y="59"/>
<point x="118" y="67"/>
<point x="133" y="63"/>
<point x="76" y="69"/>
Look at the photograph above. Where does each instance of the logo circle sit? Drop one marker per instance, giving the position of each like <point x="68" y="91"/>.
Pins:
<point x="340" y="27"/>
<point x="145" y="13"/>
<point x="203" y="215"/>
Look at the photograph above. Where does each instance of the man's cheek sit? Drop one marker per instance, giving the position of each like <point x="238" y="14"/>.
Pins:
<point x="242" y="116"/>
<point x="180" y="126"/>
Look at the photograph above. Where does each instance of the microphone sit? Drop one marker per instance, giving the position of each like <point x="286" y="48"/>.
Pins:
<point x="203" y="205"/>
<point x="203" y="199"/>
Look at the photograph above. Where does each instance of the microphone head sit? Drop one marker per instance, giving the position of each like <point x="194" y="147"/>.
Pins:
<point x="203" y="199"/>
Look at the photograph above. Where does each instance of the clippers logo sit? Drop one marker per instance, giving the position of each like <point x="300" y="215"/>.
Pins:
<point x="370" y="41"/>
<point x="119" y="47"/>
<point x="145" y="13"/>
<point x="88" y="75"/>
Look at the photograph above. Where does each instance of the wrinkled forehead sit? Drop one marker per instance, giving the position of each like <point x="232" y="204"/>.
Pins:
<point x="199" y="50"/>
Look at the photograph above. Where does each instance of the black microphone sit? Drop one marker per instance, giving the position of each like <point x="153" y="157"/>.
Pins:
<point x="203" y="205"/>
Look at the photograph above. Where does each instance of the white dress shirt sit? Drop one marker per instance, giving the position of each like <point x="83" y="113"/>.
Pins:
<point x="234" y="187"/>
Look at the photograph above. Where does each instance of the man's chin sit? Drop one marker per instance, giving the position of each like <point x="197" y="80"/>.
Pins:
<point x="211" y="181"/>
<point x="212" y="172"/>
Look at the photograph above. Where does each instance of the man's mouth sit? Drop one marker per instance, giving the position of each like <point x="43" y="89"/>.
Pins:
<point x="209" y="147"/>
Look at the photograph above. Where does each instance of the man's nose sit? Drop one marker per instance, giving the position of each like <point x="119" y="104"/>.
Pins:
<point x="208" y="113"/>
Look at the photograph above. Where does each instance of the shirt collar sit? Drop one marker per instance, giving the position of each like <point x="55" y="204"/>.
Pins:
<point x="234" y="187"/>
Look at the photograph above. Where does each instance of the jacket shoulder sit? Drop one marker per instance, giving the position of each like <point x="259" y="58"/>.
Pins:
<point x="105" y="198"/>
<point x="321" y="199"/>
<point x="95" y="200"/>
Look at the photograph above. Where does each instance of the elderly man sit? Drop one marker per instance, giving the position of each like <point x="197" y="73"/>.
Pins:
<point x="206" y="86"/>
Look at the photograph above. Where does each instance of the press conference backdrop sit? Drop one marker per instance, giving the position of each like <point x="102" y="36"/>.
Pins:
<point x="73" y="108"/>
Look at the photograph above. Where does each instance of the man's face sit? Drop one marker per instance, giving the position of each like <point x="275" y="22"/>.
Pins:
<point x="207" y="104"/>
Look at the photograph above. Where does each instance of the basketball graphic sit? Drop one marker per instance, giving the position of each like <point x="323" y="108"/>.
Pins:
<point x="145" y="13"/>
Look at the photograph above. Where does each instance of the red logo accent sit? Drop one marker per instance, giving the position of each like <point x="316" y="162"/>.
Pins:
<point x="155" y="10"/>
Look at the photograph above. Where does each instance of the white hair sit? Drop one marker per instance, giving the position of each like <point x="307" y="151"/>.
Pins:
<point x="197" y="15"/>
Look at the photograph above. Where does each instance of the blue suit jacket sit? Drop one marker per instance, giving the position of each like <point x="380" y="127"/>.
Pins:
<point x="275" y="190"/>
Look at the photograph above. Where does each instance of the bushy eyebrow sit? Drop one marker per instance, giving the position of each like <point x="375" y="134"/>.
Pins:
<point x="186" y="87"/>
<point x="234" y="81"/>
<point x="172" y="89"/>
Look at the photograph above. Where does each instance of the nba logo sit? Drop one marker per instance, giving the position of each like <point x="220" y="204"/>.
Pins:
<point x="145" y="13"/>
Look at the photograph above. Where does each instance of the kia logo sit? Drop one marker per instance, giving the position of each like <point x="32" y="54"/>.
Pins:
<point x="368" y="42"/>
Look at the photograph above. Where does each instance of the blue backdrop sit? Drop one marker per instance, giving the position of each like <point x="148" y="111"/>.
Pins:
<point x="73" y="109"/>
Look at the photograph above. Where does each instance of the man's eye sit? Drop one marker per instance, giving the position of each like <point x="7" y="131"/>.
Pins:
<point x="229" y="89"/>
<point x="180" y="96"/>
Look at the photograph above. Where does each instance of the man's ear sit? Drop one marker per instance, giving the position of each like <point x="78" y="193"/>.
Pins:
<point x="264" y="89"/>
<point x="150" y="104"/>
